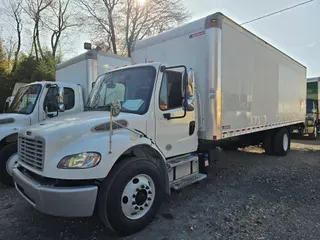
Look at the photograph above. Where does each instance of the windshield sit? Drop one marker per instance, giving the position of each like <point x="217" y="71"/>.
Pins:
<point x="133" y="87"/>
<point x="310" y="105"/>
<point x="25" y="99"/>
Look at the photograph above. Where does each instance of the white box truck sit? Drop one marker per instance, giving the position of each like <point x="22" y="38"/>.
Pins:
<point x="75" y="77"/>
<point x="148" y="128"/>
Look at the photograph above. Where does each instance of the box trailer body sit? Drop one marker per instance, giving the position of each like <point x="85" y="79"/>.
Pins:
<point x="85" y="68"/>
<point x="243" y="82"/>
<point x="149" y="128"/>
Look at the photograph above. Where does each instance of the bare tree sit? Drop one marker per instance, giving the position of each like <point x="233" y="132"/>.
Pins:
<point x="9" y="50"/>
<point x="153" y="17"/>
<point x="13" y="11"/>
<point x="119" y="23"/>
<point x="102" y="16"/>
<point x="59" y="18"/>
<point x="34" y="8"/>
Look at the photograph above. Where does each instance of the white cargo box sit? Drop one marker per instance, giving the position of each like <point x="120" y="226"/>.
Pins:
<point x="245" y="84"/>
<point x="85" y="68"/>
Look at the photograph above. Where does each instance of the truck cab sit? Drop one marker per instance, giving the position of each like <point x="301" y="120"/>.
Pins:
<point x="33" y="103"/>
<point x="312" y="118"/>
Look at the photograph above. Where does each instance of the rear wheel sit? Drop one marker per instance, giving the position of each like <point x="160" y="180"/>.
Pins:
<point x="268" y="143"/>
<point x="8" y="158"/>
<point x="130" y="197"/>
<point x="282" y="142"/>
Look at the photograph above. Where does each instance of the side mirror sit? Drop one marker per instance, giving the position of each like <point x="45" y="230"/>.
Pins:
<point x="61" y="106"/>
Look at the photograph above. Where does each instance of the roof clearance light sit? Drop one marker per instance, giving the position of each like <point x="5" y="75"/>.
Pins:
<point x="150" y="61"/>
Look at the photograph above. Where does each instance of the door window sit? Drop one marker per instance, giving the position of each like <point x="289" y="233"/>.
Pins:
<point x="51" y="99"/>
<point x="170" y="92"/>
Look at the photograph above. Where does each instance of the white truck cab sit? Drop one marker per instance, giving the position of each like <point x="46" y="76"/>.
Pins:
<point x="33" y="103"/>
<point x="148" y="128"/>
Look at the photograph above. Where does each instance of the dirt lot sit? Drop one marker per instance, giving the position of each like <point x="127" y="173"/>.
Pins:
<point x="248" y="195"/>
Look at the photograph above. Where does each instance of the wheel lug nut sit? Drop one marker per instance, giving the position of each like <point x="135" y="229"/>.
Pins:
<point x="136" y="208"/>
<point x="137" y="189"/>
<point x="134" y="196"/>
<point x="133" y="203"/>
<point x="146" y="205"/>
<point x="147" y="188"/>
<point x="142" y="186"/>
<point x="149" y="192"/>
<point x="141" y="208"/>
<point x="149" y="199"/>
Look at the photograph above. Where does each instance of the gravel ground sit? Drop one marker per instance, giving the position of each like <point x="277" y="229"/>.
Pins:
<point x="247" y="195"/>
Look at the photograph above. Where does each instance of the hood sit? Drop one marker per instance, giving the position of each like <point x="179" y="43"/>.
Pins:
<point x="79" y="124"/>
<point x="13" y="118"/>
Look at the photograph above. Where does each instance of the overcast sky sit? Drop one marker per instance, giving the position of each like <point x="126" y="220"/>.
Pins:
<point x="296" y="32"/>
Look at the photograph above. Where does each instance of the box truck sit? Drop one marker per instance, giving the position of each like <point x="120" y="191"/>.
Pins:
<point x="148" y="128"/>
<point x="35" y="102"/>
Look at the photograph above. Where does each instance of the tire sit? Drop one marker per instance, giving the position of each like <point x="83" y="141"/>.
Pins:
<point x="120" y="191"/>
<point x="314" y="134"/>
<point x="281" y="146"/>
<point x="5" y="154"/>
<point x="268" y="143"/>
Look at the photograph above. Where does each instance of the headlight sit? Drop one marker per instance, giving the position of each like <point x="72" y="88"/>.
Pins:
<point x="80" y="161"/>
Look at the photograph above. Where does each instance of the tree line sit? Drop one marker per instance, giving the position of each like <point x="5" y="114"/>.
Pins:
<point x="34" y="34"/>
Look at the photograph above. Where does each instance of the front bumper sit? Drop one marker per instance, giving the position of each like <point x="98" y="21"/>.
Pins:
<point x="74" y="201"/>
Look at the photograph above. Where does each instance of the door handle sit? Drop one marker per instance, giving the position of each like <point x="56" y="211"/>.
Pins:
<point x="167" y="116"/>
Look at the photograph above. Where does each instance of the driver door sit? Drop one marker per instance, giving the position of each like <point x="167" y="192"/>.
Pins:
<point x="178" y="135"/>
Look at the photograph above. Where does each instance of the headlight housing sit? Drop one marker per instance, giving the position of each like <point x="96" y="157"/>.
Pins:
<point x="80" y="161"/>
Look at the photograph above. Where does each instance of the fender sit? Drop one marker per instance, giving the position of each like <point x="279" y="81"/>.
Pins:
<point x="9" y="134"/>
<point x="10" y="126"/>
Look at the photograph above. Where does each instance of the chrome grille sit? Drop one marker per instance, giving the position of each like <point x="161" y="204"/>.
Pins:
<point x="31" y="152"/>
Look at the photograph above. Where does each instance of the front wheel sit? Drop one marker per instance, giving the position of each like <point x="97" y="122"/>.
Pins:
<point x="130" y="197"/>
<point x="8" y="158"/>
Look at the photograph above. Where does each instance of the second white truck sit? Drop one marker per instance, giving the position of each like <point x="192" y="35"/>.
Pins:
<point x="36" y="102"/>
<point x="148" y="128"/>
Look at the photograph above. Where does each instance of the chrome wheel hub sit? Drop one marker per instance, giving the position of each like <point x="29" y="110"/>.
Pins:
<point x="138" y="196"/>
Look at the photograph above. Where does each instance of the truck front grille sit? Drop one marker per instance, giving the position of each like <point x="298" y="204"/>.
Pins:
<point x="31" y="152"/>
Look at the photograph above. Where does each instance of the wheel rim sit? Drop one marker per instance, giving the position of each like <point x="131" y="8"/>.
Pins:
<point x="13" y="159"/>
<point x="138" y="196"/>
<point x="285" y="142"/>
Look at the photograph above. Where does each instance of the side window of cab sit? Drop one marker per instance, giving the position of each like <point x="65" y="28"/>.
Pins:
<point x="170" y="92"/>
<point x="51" y="99"/>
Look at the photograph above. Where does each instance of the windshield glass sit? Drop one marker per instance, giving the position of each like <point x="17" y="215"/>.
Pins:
<point x="309" y="105"/>
<point x="25" y="99"/>
<point x="133" y="87"/>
